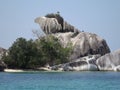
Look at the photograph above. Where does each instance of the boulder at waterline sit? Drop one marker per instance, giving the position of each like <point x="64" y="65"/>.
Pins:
<point x="109" y="61"/>
<point x="87" y="63"/>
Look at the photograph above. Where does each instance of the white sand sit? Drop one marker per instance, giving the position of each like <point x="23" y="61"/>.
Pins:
<point x="13" y="70"/>
<point x="27" y="70"/>
<point x="39" y="69"/>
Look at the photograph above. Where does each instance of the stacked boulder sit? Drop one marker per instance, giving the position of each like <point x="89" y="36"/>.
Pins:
<point x="90" y="52"/>
<point x="83" y="43"/>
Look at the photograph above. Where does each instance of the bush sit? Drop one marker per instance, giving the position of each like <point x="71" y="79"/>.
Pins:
<point x="21" y="54"/>
<point x="53" y="51"/>
<point x="31" y="54"/>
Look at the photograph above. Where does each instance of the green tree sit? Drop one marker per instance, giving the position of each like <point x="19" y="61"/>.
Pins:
<point x="22" y="54"/>
<point x="31" y="54"/>
<point x="52" y="51"/>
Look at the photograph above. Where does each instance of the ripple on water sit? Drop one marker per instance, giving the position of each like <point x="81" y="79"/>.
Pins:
<point x="60" y="81"/>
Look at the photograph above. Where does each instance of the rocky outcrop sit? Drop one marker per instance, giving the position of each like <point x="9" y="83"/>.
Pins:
<point x="51" y="25"/>
<point x="109" y="61"/>
<point x="2" y="64"/>
<point x="83" y="43"/>
<point x="86" y="47"/>
<point x="87" y="63"/>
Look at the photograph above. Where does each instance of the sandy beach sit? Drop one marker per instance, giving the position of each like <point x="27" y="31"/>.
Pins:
<point x="13" y="70"/>
<point x="27" y="70"/>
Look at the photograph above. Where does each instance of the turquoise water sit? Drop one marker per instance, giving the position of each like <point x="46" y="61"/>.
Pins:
<point x="60" y="81"/>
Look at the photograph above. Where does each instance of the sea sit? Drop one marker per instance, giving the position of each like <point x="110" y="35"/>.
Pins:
<point x="85" y="80"/>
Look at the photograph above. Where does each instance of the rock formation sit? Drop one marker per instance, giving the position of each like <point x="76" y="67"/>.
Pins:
<point x="83" y="43"/>
<point x="109" y="61"/>
<point x="2" y="64"/>
<point x="87" y="63"/>
<point x="52" y="25"/>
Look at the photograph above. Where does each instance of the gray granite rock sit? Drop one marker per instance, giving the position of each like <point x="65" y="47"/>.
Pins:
<point x="109" y="61"/>
<point x="82" y="64"/>
<point x="83" y="44"/>
<point x="51" y="25"/>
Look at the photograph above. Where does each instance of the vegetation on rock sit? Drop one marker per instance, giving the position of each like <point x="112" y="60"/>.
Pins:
<point x="29" y="54"/>
<point x="57" y="16"/>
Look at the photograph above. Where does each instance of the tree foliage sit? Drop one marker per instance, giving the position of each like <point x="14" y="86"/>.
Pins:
<point x="29" y="54"/>
<point x="53" y="51"/>
<point x="21" y="54"/>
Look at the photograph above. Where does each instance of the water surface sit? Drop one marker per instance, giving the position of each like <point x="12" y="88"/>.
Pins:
<point x="60" y="81"/>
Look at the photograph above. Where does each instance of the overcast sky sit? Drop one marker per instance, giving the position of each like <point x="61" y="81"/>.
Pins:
<point x="96" y="16"/>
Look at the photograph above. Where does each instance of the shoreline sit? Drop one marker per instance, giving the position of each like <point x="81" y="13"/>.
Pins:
<point x="46" y="70"/>
<point x="31" y="70"/>
<point x="13" y="70"/>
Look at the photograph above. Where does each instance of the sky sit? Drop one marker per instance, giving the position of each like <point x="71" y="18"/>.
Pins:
<point x="101" y="17"/>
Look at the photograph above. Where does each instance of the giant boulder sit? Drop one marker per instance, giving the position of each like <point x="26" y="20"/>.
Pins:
<point x="109" y="61"/>
<point x="87" y="63"/>
<point x="51" y="25"/>
<point x="83" y="44"/>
